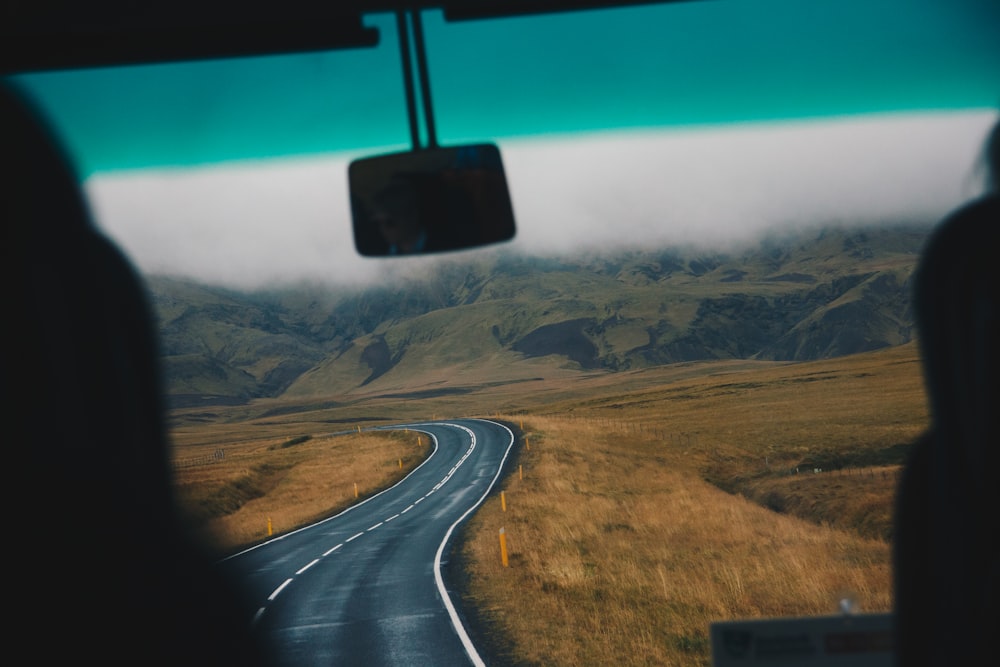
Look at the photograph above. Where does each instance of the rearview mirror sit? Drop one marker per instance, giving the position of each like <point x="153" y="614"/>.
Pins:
<point x="430" y="200"/>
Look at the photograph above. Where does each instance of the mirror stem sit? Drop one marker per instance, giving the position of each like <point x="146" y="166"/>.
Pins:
<point x="425" y="79"/>
<point x="422" y="69"/>
<point x="411" y="104"/>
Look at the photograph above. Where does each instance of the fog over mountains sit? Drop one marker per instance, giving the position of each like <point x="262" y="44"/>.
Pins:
<point x="482" y="318"/>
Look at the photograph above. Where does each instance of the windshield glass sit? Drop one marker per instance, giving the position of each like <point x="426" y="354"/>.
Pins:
<point x="701" y="336"/>
<point x="800" y="115"/>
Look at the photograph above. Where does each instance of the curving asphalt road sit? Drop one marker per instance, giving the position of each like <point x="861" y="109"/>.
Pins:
<point x="365" y="587"/>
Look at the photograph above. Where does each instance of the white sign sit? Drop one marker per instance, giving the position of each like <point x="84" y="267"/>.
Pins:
<point x="849" y="640"/>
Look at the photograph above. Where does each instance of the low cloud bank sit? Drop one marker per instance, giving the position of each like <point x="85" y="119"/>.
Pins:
<point x="253" y="225"/>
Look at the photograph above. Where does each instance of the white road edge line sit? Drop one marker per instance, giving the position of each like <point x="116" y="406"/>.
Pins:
<point x="456" y="622"/>
<point x="368" y="530"/>
<point x="352" y="507"/>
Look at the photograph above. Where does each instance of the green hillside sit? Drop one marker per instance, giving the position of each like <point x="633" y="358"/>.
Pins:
<point x="493" y="317"/>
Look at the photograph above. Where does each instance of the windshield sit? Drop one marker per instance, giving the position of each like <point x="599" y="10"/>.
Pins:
<point x="666" y="105"/>
<point x="701" y="336"/>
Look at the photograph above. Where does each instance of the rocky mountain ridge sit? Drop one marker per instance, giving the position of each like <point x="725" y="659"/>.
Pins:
<point x="496" y="316"/>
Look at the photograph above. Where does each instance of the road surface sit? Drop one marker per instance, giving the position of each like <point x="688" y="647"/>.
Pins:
<point x="365" y="587"/>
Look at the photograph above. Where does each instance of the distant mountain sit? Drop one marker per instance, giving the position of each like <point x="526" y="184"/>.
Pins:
<point x="499" y="317"/>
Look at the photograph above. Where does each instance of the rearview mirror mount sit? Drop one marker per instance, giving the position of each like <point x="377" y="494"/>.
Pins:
<point x="430" y="200"/>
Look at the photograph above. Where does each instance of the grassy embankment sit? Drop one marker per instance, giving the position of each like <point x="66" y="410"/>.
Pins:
<point x="278" y="483"/>
<point x="647" y="504"/>
<point x="624" y="546"/>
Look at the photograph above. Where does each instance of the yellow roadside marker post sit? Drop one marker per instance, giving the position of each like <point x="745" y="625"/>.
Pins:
<point x="503" y="548"/>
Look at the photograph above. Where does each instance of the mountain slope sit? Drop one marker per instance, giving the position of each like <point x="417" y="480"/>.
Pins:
<point x="492" y="317"/>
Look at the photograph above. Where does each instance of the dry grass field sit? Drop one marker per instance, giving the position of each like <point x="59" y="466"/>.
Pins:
<point x="261" y="487"/>
<point x="637" y="519"/>
<point x="641" y="507"/>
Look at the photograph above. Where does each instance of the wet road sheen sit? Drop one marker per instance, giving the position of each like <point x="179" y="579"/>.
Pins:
<point x="365" y="587"/>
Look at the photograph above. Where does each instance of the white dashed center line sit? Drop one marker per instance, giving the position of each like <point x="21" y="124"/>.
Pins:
<point x="316" y="560"/>
<point x="416" y="502"/>
<point x="279" y="589"/>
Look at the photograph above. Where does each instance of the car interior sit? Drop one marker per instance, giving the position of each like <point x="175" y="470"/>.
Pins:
<point x="80" y="334"/>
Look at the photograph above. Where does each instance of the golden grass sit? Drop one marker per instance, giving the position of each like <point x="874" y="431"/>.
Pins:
<point x="618" y="556"/>
<point x="267" y="484"/>
<point x="643" y="513"/>
<point x="624" y="546"/>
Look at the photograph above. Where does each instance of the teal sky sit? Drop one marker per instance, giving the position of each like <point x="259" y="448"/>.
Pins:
<point x="688" y="64"/>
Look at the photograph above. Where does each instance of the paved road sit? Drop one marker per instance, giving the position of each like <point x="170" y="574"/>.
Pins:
<point x="365" y="587"/>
